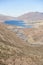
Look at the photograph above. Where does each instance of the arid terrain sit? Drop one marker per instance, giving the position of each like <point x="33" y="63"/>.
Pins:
<point x="31" y="17"/>
<point x="22" y="46"/>
<point x="3" y="18"/>
<point x="15" y="51"/>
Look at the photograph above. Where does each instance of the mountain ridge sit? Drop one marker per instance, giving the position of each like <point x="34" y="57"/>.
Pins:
<point x="5" y="17"/>
<point x="31" y="16"/>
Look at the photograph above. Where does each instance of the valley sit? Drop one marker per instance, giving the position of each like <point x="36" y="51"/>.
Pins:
<point x="22" y="42"/>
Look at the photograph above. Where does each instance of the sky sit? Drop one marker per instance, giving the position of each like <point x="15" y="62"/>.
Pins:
<point x="18" y="7"/>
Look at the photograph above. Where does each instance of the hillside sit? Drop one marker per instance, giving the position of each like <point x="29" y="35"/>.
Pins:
<point x="15" y="51"/>
<point x="3" y="18"/>
<point x="31" y="17"/>
<point x="27" y="17"/>
<point x="35" y="35"/>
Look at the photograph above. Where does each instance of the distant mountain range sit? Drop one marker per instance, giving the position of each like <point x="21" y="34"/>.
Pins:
<point x="3" y="18"/>
<point x="28" y="17"/>
<point x="32" y="16"/>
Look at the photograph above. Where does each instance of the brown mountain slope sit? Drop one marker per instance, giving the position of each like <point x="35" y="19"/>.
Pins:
<point x="32" y="16"/>
<point x="14" y="51"/>
<point x="3" y="18"/>
<point x="35" y="34"/>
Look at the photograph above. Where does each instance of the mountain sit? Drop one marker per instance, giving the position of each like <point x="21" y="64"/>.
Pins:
<point x="31" y="17"/>
<point x="28" y="17"/>
<point x="15" y="51"/>
<point x="35" y="35"/>
<point x="21" y="46"/>
<point x="3" y="18"/>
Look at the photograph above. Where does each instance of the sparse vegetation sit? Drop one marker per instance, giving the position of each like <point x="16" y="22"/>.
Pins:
<point x="15" y="51"/>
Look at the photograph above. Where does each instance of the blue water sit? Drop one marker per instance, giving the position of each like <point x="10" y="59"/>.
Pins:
<point x="17" y="23"/>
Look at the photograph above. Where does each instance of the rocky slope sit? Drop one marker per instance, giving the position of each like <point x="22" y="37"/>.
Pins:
<point x="15" y="51"/>
<point x="34" y="34"/>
